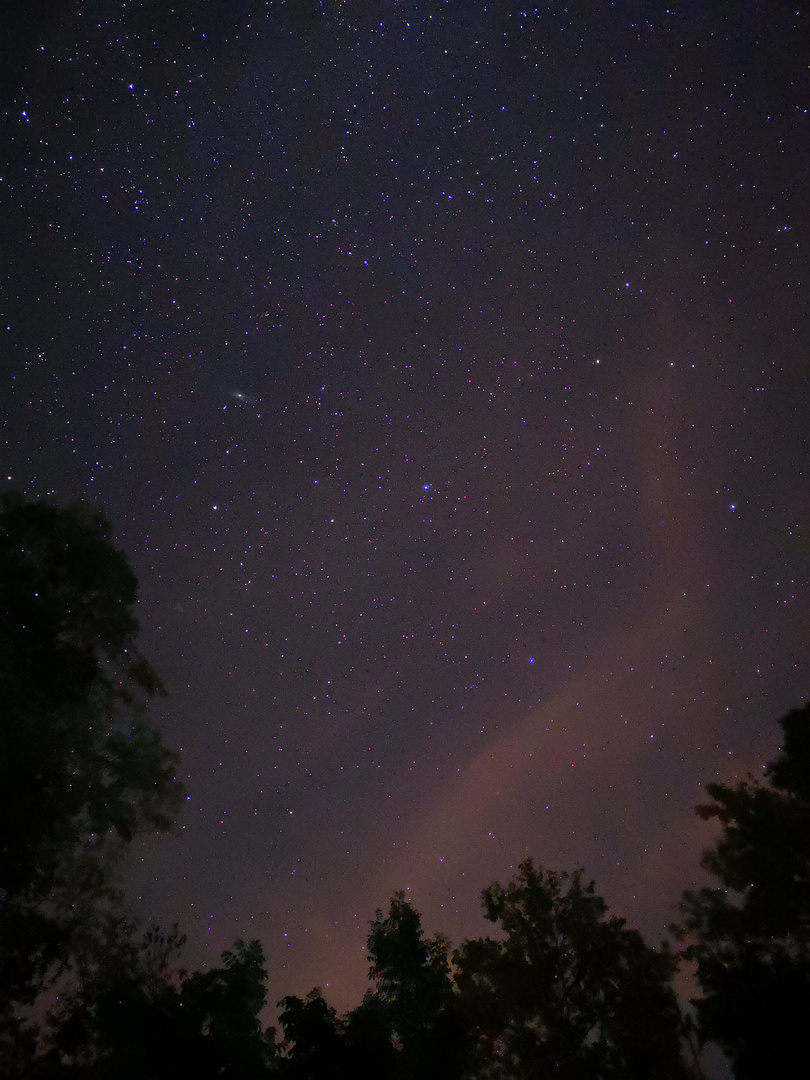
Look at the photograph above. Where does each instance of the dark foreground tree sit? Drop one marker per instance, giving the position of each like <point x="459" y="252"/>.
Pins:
<point x="567" y="991"/>
<point x="414" y="991"/>
<point x="314" y="1042"/>
<point x="750" y="937"/>
<point x="406" y="1027"/>
<point x="414" y="998"/>
<point x="139" y="1017"/>
<point x="80" y="769"/>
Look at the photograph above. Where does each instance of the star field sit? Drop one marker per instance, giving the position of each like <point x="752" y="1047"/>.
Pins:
<point x="443" y="368"/>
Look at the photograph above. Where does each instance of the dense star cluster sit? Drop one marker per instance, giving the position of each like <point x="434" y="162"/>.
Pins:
<point x="443" y="369"/>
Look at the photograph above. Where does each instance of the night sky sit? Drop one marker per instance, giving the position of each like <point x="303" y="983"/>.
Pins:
<point x="443" y="368"/>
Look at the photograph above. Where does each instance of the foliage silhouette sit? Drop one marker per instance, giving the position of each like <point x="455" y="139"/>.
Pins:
<point x="750" y="937"/>
<point x="567" y="991"/>
<point x="138" y="1015"/>
<point x="82" y="770"/>
<point x="414" y="995"/>
<point x="314" y="1039"/>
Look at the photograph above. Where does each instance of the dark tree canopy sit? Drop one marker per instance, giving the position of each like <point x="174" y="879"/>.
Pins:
<point x="406" y="1027"/>
<point x="68" y="599"/>
<point x="139" y="1016"/>
<point x="411" y="973"/>
<point x="414" y="994"/>
<point x="750" y="936"/>
<point x="314" y="1038"/>
<point x="567" y="991"/>
<point x="81" y="769"/>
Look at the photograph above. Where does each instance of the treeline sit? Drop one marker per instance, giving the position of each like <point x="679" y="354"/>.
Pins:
<point x="565" y="991"/>
<point x="561" y="989"/>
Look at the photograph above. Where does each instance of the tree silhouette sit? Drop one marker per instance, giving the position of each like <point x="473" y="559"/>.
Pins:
<point x="82" y="771"/>
<point x="137" y="1015"/>
<point x="750" y="937"/>
<point x="122" y="1016"/>
<point x="414" y="993"/>
<point x="567" y="991"/>
<point x="226" y="1004"/>
<point x="315" y="1047"/>
<point x="371" y="1049"/>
